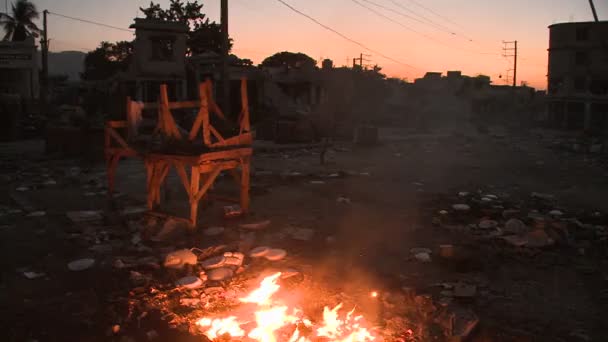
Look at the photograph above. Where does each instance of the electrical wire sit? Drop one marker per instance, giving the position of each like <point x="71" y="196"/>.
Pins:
<point x="91" y="22"/>
<point x="344" y="36"/>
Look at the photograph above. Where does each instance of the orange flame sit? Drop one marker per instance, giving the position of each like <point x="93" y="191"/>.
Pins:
<point x="272" y="317"/>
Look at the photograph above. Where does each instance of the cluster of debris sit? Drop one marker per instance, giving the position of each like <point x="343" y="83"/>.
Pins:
<point x="535" y="222"/>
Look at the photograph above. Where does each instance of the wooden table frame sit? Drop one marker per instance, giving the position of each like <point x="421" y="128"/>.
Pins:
<point x="225" y="154"/>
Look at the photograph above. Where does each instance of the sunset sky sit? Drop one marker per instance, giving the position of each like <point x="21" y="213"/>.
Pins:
<point x="262" y="27"/>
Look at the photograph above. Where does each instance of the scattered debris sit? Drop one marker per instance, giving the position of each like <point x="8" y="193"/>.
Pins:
<point x="39" y="213"/>
<point x="515" y="226"/>
<point x="85" y="215"/>
<point x="546" y="197"/>
<point x="178" y="259"/>
<point x="170" y="229"/>
<point x="255" y="225"/>
<point x="443" y="212"/>
<point x="219" y="274"/>
<point x="487" y="224"/>
<point x="301" y="234"/>
<point x="33" y="275"/>
<point x="556" y="213"/>
<point x="214" y="262"/>
<point x="231" y="211"/>
<point x="189" y="282"/>
<point x="81" y="264"/>
<point x="461" y="207"/>
<point x="213" y="231"/>
<point x="317" y="182"/>
<point x="259" y="252"/>
<point x="463" y="290"/>
<point x="423" y="257"/>
<point x="275" y="254"/>
<point x="344" y="200"/>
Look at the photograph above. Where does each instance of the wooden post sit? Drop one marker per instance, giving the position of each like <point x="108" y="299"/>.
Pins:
<point x="194" y="188"/>
<point x="245" y="184"/>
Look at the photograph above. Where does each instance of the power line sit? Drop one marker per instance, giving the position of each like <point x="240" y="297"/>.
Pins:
<point x="425" y="20"/>
<point x="344" y="36"/>
<point x="91" y="22"/>
<point x="417" y="32"/>
<point x="434" y="12"/>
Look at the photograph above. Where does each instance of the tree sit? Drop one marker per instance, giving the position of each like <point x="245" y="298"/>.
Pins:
<point x="289" y="59"/>
<point x="107" y="60"/>
<point x="20" y="25"/>
<point x="203" y="35"/>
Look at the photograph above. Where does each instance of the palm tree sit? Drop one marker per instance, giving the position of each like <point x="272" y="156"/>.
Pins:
<point x="20" y="25"/>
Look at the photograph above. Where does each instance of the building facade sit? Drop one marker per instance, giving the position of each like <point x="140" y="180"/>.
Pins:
<point x="19" y="69"/>
<point x="578" y="75"/>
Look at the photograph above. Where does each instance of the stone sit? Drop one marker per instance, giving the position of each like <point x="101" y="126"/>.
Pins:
<point x="33" y="275"/>
<point x="556" y="213"/>
<point x="219" y="274"/>
<point x="463" y="194"/>
<point x="178" y="259"/>
<point x="443" y="212"/>
<point x="81" y="264"/>
<point x="214" y="262"/>
<point x="275" y="254"/>
<point x="259" y="252"/>
<point x="233" y="261"/>
<point x="490" y="196"/>
<point x="462" y="290"/>
<point x="255" y="225"/>
<point x="213" y="231"/>
<point x="538" y="238"/>
<point x="487" y="224"/>
<point x="461" y="207"/>
<point x="189" y="282"/>
<point x="38" y="213"/>
<point x="515" y="226"/>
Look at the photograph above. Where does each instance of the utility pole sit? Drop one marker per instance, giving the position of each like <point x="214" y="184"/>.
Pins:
<point x="360" y="59"/>
<point x="593" y="10"/>
<point x="44" y="46"/>
<point x="225" y="73"/>
<point x="511" y="47"/>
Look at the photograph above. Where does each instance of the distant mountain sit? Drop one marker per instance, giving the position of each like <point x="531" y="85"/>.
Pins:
<point x="70" y="63"/>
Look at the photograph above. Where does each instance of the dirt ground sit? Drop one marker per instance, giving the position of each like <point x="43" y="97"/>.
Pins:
<point x="391" y="197"/>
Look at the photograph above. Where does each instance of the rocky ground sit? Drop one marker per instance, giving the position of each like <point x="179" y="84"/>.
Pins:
<point x="502" y="228"/>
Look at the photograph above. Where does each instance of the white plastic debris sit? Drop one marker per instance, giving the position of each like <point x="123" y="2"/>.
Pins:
<point x="259" y="252"/>
<point x="461" y="207"/>
<point x="214" y="262"/>
<point x="189" y="282"/>
<point x="81" y="264"/>
<point x="179" y="258"/>
<point x="275" y="254"/>
<point x="423" y="257"/>
<point x="33" y="275"/>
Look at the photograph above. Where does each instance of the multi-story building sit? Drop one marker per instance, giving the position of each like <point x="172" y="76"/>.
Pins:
<point x="578" y="75"/>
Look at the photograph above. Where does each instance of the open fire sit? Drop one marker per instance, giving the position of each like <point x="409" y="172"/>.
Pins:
<point x="271" y="320"/>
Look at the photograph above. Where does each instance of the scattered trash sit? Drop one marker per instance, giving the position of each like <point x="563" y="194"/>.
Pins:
<point x="275" y="254"/>
<point x="231" y="211"/>
<point x="547" y="197"/>
<point x="179" y="258"/>
<point x="219" y="274"/>
<point x="33" y="275"/>
<point x="556" y="213"/>
<point x="423" y="257"/>
<point x="214" y="262"/>
<point x="461" y="207"/>
<point x="463" y="290"/>
<point x="259" y="252"/>
<point x="37" y="214"/>
<point x="256" y="225"/>
<point x="443" y="212"/>
<point x="213" y="231"/>
<point x="487" y="224"/>
<point x="344" y="200"/>
<point x="85" y="215"/>
<point x="81" y="264"/>
<point x="189" y="282"/>
<point x="515" y="226"/>
<point x="301" y="234"/>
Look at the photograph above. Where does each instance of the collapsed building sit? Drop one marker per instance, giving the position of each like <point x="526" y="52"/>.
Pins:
<point x="578" y="76"/>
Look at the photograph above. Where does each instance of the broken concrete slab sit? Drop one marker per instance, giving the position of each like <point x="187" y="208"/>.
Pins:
<point x="219" y="274"/>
